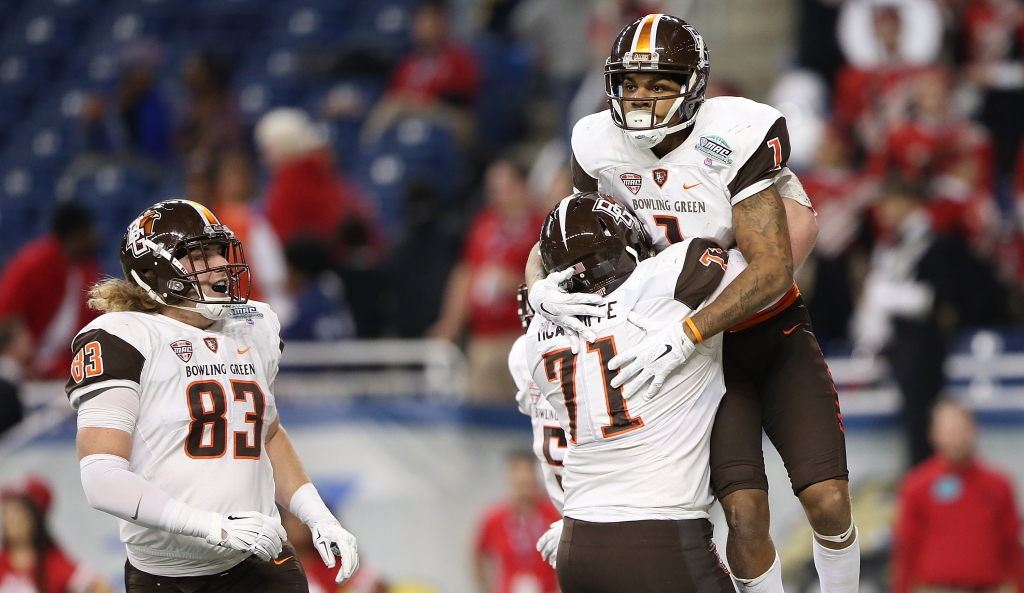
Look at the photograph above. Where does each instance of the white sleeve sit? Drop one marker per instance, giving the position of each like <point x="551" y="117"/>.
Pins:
<point x="110" y="487"/>
<point x="789" y="186"/>
<point x="117" y="408"/>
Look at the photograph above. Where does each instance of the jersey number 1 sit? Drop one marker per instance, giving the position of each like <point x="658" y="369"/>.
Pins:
<point x="560" y="366"/>
<point x="214" y="416"/>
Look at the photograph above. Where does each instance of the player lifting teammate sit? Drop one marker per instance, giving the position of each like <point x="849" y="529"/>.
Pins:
<point x="710" y="168"/>
<point x="178" y="433"/>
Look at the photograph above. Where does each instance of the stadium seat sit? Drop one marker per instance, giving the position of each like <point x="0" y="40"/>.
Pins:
<point x="21" y="73"/>
<point x="304" y="24"/>
<point x="92" y="66"/>
<point x="382" y="26"/>
<point x="41" y="34"/>
<point x="503" y="89"/>
<point x="40" y="145"/>
<point x="124" y="24"/>
<point x="26" y="199"/>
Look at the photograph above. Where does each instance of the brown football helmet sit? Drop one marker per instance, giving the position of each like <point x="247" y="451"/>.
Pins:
<point x="599" y="237"/>
<point x="167" y="232"/>
<point x="665" y="44"/>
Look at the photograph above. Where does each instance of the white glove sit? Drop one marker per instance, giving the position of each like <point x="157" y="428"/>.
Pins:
<point x="331" y="539"/>
<point x="248" y="531"/>
<point x="653" y="359"/>
<point x="547" y="545"/>
<point x="552" y="302"/>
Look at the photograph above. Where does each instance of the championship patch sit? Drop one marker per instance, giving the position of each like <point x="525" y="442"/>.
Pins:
<point x="246" y="312"/>
<point x="211" y="343"/>
<point x="632" y="181"/>
<point x="183" y="348"/>
<point x="660" y="176"/>
<point x="716" y="148"/>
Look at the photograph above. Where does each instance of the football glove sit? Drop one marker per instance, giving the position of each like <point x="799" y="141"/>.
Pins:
<point x="552" y="302"/>
<point x="331" y="539"/>
<point x="653" y="359"/>
<point x="248" y="531"/>
<point x="547" y="545"/>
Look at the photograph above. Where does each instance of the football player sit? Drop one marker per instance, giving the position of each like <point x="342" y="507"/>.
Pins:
<point x="178" y="432"/>
<point x="636" y="479"/>
<point x="548" y="437"/>
<point x="713" y="168"/>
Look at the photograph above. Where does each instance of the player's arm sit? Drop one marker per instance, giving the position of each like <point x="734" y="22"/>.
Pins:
<point x="295" y="490"/>
<point x="762" y="236"/>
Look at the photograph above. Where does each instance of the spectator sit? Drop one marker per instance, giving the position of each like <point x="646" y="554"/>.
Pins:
<point x="15" y="354"/>
<point x="30" y="561"/>
<point x="137" y="121"/>
<point x="921" y="288"/>
<point x="210" y="122"/>
<point x="481" y="290"/>
<point x="321" y="578"/>
<point x="305" y="197"/>
<point x="45" y="284"/>
<point x="232" y="202"/>
<point x="507" y="560"/>
<point x="439" y="78"/>
<point x="320" y="312"/>
<point x="957" y="525"/>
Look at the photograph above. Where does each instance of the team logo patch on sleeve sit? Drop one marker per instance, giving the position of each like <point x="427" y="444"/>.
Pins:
<point x="183" y="348"/>
<point x="660" y="176"/>
<point x="716" y="148"/>
<point x="211" y="343"/>
<point x="632" y="181"/>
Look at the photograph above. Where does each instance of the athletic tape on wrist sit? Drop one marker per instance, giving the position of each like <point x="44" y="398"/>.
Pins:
<point x="837" y="539"/>
<point x="693" y="328"/>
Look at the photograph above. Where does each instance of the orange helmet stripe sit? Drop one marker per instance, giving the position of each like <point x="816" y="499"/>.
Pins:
<point x="644" y="39"/>
<point x="204" y="212"/>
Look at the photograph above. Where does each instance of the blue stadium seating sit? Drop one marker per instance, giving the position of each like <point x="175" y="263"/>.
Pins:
<point x="122" y="24"/>
<point x="26" y="199"/>
<point x="304" y="24"/>
<point x="41" y="34"/>
<point x="504" y="86"/>
<point x="40" y="144"/>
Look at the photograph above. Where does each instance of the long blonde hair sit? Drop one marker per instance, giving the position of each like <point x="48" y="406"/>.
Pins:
<point x="114" y="295"/>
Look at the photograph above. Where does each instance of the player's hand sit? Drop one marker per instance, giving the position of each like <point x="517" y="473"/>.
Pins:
<point x="653" y="359"/>
<point x="248" y="531"/>
<point x="552" y="302"/>
<point x="331" y="539"/>
<point x="547" y="545"/>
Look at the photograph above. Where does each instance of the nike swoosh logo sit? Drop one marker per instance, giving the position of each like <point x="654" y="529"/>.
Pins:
<point x="667" y="350"/>
<point x="136" y="515"/>
<point x="242" y="351"/>
<point x="231" y="518"/>
<point x="790" y="330"/>
<point x="283" y="560"/>
<point x="691" y="186"/>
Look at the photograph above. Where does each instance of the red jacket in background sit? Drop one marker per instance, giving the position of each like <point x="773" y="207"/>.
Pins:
<point x="495" y="252"/>
<point x="306" y="197"/>
<point x="509" y="539"/>
<point x="449" y="73"/>
<point x="34" y="287"/>
<point x="61" y="575"/>
<point x="956" y="528"/>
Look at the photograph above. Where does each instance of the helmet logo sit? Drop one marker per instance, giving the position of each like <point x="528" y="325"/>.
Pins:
<point x="702" y="50"/>
<point x="616" y="211"/>
<point x="660" y="176"/>
<point x="139" y="230"/>
<point x="632" y="181"/>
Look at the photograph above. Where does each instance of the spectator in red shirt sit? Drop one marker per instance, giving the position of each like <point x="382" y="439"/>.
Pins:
<point x="481" y="290"/>
<point x="306" y="196"/>
<point x="957" y="523"/>
<point x="30" y="561"/>
<point x="439" y="78"/>
<point x="45" y="284"/>
<point x="507" y="560"/>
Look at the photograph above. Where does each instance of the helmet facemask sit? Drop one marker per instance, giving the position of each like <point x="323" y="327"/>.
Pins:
<point x="644" y="127"/>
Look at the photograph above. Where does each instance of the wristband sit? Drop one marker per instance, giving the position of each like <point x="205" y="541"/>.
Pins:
<point x="307" y="505"/>
<point x="693" y="328"/>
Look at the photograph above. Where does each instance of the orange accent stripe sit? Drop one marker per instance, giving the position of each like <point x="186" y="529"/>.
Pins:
<point x="643" y="43"/>
<point x="787" y="299"/>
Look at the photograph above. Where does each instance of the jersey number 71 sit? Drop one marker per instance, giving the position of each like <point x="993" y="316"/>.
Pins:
<point x="560" y="365"/>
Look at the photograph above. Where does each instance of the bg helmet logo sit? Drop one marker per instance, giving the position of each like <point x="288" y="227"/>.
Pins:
<point x="616" y="211"/>
<point x="140" y="229"/>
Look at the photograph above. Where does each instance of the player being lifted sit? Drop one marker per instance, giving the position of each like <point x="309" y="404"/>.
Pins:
<point x="637" y="486"/>
<point x="710" y="168"/>
<point x="178" y="433"/>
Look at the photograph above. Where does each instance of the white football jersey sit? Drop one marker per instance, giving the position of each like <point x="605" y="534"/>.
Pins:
<point x="737" y="147"/>
<point x="549" y="442"/>
<point x="206" y="400"/>
<point x="642" y="459"/>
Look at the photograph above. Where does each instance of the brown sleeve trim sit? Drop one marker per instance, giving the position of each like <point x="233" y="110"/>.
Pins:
<point x="767" y="160"/>
<point x="101" y="356"/>
<point x="581" y="180"/>
<point x="702" y="272"/>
